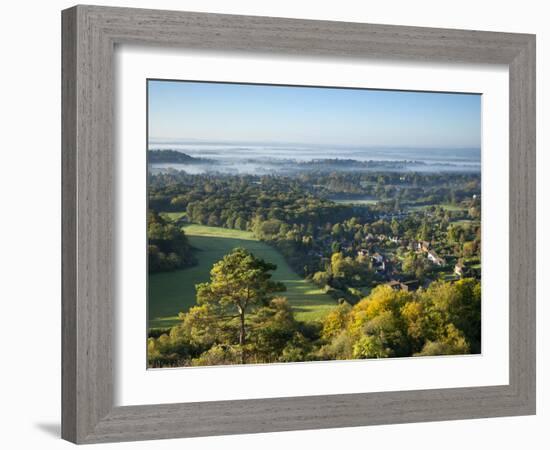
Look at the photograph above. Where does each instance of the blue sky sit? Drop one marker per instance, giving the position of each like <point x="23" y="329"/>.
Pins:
<point x="266" y="113"/>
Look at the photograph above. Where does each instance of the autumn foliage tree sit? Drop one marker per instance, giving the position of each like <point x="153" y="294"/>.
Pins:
<point x="444" y="319"/>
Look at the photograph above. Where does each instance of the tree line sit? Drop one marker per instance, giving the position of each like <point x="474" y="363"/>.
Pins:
<point x="167" y="245"/>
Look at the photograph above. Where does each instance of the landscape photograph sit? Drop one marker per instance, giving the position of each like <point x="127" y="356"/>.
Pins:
<point x="292" y="224"/>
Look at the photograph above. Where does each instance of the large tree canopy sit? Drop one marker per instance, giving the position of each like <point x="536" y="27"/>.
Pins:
<point x="238" y="283"/>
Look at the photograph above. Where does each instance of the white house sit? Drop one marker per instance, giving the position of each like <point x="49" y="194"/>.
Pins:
<point x="432" y="256"/>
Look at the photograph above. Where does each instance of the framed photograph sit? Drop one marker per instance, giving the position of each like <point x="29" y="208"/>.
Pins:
<point x="278" y="224"/>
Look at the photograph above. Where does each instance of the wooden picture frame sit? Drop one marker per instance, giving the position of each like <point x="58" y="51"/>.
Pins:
<point x="90" y="34"/>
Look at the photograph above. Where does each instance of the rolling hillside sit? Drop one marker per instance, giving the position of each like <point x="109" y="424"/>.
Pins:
<point x="172" y="292"/>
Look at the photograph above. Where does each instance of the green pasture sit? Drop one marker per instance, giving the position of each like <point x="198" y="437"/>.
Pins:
<point x="356" y="202"/>
<point x="173" y="216"/>
<point x="445" y="206"/>
<point x="172" y="292"/>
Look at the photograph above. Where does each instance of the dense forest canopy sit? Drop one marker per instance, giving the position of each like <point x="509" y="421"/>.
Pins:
<point x="398" y="252"/>
<point x="296" y="215"/>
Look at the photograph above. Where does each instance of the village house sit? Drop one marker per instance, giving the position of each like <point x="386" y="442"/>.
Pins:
<point x="394" y="284"/>
<point x="379" y="263"/>
<point x="411" y="285"/>
<point x="407" y="286"/>
<point x="420" y="246"/>
<point x="377" y="258"/>
<point x="432" y="256"/>
<point x="424" y="246"/>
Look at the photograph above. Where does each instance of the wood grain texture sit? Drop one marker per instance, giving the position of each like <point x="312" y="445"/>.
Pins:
<point x="68" y="226"/>
<point x="522" y="242"/>
<point x="89" y="36"/>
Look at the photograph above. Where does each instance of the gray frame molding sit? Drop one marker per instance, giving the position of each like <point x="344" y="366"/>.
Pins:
<point x="89" y="36"/>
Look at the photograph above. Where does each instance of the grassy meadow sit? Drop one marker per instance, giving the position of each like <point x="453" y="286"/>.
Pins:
<point x="172" y="292"/>
<point x="173" y="216"/>
<point x="355" y="201"/>
<point x="445" y="206"/>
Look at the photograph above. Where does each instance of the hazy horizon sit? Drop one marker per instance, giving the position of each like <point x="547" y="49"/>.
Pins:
<point x="268" y="158"/>
<point x="155" y="141"/>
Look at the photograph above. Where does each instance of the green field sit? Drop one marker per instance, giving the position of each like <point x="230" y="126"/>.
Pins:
<point x="173" y="216"/>
<point x="357" y="201"/>
<point x="445" y="206"/>
<point x="172" y="292"/>
<point x="466" y="222"/>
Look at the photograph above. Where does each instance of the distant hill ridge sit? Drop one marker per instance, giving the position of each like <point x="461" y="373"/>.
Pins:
<point x="173" y="156"/>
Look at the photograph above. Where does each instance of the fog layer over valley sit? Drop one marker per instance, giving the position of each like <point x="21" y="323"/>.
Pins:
<point x="261" y="159"/>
